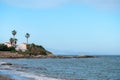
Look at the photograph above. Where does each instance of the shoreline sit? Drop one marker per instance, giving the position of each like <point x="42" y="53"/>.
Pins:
<point x="10" y="55"/>
<point x="2" y="77"/>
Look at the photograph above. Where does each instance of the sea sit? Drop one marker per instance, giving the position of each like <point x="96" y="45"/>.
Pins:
<point x="99" y="68"/>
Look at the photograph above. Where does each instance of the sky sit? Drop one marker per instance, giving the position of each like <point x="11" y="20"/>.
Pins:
<point x="64" y="25"/>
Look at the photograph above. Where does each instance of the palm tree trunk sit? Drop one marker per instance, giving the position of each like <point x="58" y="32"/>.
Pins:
<point x="13" y="36"/>
<point x="27" y="40"/>
<point x="14" y="41"/>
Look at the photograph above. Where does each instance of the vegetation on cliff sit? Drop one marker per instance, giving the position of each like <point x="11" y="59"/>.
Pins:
<point x="5" y="48"/>
<point x="9" y="50"/>
<point x="33" y="49"/>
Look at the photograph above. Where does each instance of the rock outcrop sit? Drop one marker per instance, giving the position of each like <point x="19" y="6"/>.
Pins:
<point x="5" y="63"/>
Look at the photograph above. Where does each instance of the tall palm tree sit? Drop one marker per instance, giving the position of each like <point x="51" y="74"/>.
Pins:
<point x="11" y="41"/>
<point x="15" y="40"/>
<point x="14" y="33"/>
<point x="27" y="36"/>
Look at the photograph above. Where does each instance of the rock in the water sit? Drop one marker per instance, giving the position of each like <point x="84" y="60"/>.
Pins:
<point x="5" y="63"/>
<point x="85" y="56"/>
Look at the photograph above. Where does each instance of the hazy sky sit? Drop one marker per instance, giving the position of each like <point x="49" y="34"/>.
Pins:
<point x="75" y="25"/>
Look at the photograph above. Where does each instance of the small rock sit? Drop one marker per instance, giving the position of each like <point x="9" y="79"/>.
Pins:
<point x="5" y="63"/>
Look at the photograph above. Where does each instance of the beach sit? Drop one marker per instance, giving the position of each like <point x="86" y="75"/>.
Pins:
<point x="4" y="78"/>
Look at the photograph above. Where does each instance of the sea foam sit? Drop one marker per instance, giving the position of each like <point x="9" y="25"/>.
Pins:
<point x="34" y="77"/>
<point x="21" y="75"/>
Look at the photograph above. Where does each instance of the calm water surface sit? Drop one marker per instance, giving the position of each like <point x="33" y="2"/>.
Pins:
<point x="101" y="68"/>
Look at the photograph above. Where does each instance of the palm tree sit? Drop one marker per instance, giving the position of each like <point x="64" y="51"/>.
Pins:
<point x="11" y="41"/>
<point x="14" y="33"/>
<point x="15" y="40"/>
<point x="27" y="36"/>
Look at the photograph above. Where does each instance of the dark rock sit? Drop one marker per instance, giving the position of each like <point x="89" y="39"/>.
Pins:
<point x="85" y="56"/>
<point x="5" y="63"/>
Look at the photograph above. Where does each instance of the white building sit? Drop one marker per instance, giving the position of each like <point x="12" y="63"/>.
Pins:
<point x="8" y="44"/>
<point x="22" y="47"/>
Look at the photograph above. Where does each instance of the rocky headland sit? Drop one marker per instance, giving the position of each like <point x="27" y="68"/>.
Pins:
<point x="32" y="51"/>
<point x="8" y="54"/>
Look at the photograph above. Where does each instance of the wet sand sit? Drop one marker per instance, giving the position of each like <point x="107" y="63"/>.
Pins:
<point x="4" y="78"/>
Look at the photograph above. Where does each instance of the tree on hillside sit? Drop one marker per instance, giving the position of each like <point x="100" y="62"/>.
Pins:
<point x="11" y="41"/>
<point x="27" y="36"/>
<point x="14" y="39"/>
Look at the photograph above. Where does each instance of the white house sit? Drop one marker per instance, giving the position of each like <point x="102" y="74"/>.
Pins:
<point x="22" y="47"/>
<point x="8" y="44"/>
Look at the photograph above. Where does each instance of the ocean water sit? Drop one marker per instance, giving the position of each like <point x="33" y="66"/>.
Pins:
<point x="100" y="68"/>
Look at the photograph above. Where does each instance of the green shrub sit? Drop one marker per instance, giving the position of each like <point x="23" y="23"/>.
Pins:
<point x="33" y="49"/>
<point x="5" y="48"/>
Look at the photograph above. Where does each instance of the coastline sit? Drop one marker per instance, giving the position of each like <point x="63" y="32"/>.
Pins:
<point x="4" y="78"/>
<point x="7" y="54"/>
<point x="25" y="69"/>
